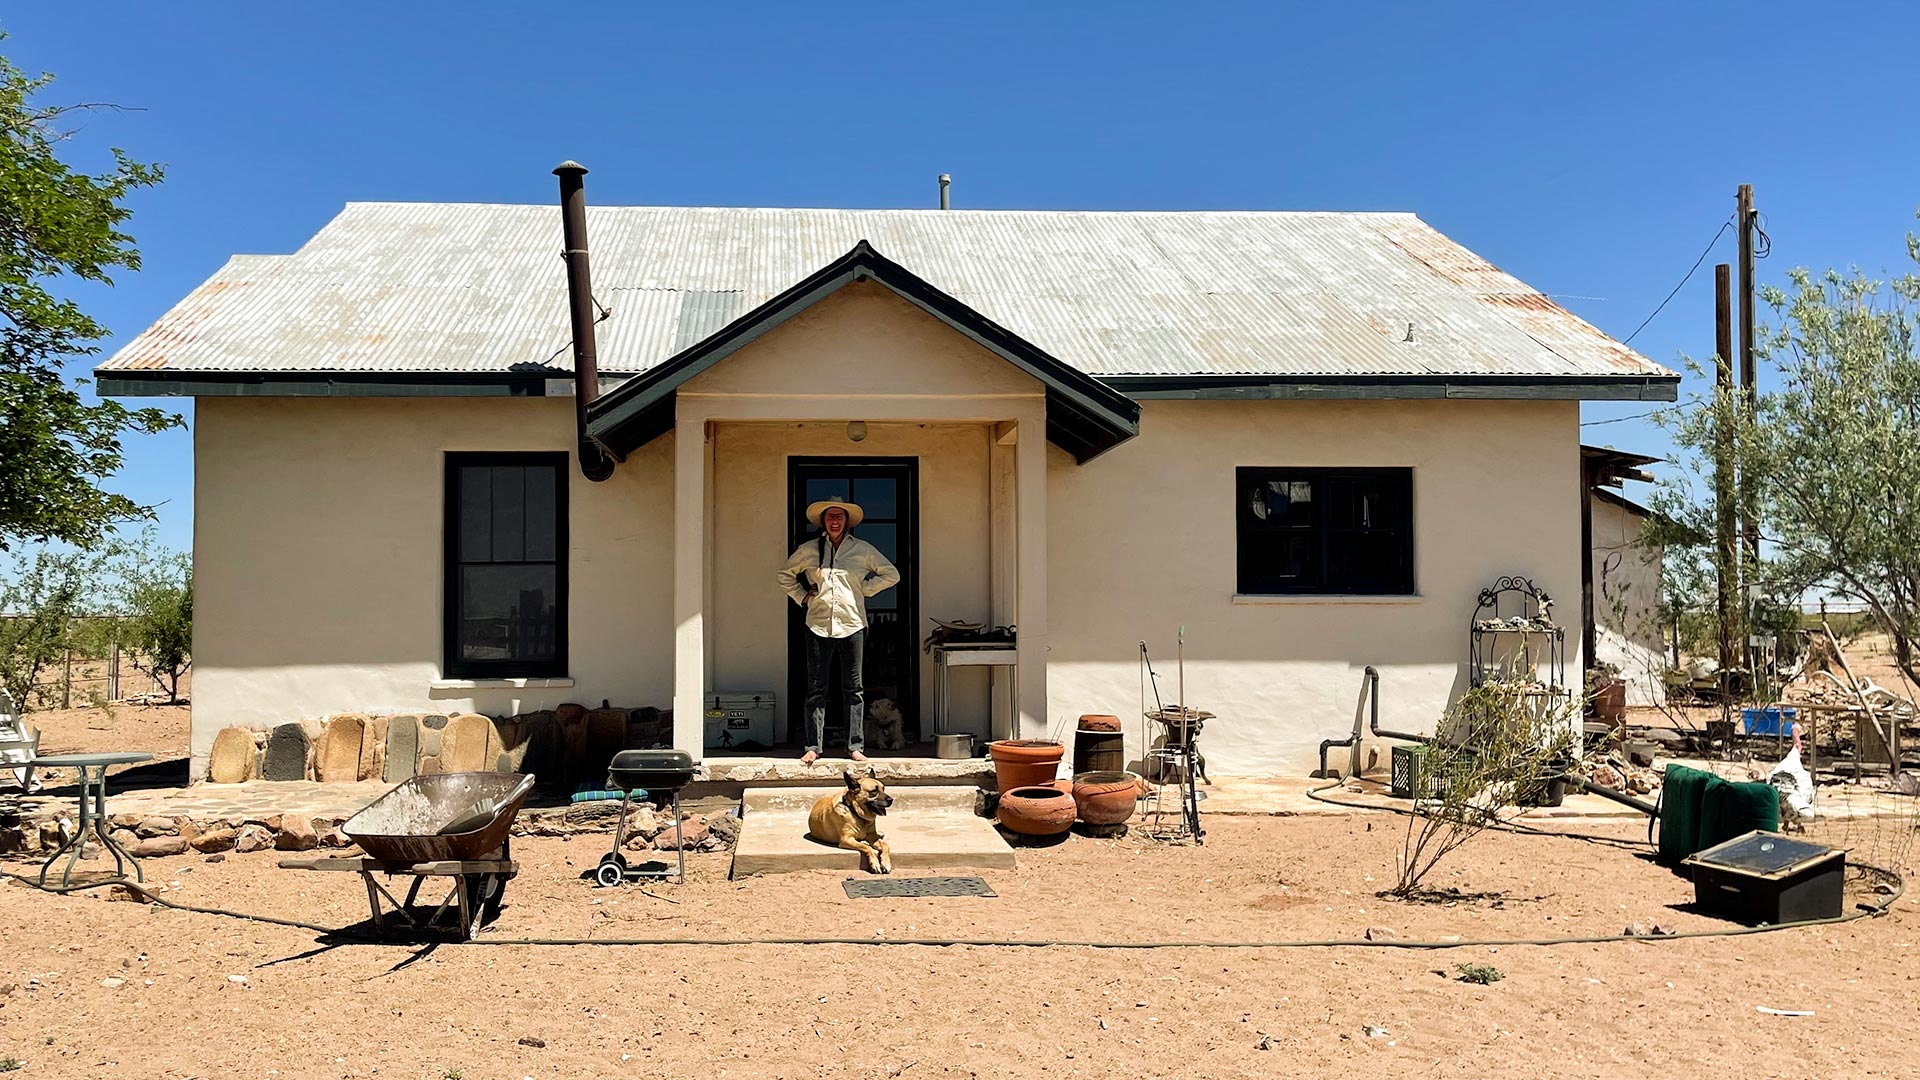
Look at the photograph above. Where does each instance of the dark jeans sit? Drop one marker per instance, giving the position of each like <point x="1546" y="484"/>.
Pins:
<point x="824" y="654"/>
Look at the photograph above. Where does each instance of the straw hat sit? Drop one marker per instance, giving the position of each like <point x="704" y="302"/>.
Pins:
<point x="854" y="513"/>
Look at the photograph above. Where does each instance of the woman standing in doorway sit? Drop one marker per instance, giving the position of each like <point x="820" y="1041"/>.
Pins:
<point x="831" y="577"/>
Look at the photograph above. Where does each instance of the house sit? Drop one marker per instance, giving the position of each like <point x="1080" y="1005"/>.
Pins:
<point x="1622" y="624"/>
<point x="1308" y="439"/>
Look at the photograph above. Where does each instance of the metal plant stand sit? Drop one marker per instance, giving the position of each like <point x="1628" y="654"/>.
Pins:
<point x="1178" y="757"/>
<point x="1513" y="616"/>
<point x="93" y="810"/>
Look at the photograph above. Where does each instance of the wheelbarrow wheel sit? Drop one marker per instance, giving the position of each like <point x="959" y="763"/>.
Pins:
<point x="612" y="872"/>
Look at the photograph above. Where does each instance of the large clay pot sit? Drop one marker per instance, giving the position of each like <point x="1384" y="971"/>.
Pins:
<point x="1036" y="811"/>
<point x="1024" y="762"/>
<point x="1106" y="798"/>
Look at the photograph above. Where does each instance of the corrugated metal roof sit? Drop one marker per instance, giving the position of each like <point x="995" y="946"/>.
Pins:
<point x="433" y="287"/>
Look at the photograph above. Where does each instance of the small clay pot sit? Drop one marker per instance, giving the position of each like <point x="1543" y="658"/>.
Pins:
<point x="1106" y="798"/>
<point x="1099" y="722"/>
<point x="1024" y="762"/>
<point x="1036" y="811"/>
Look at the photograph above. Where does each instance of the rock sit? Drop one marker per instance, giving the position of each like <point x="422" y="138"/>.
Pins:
<point x="1607" y="776"/>
<point x="331" y="836"/>
<point x="403" y="748"/>
<point x="122" y="893"/>
<point x="52" y="834"/>
<point x="513" y="746"/>
<point x="471" y="744"/>
<point x="433" y="722"/>
<point x="13" y="840"/>
<point x="296" y="834"/>
<point x="724" y="826"/>
<point x="253" y="838"/>
<point x="1639" y="752"/>
<point x="123" y="821"/>
<point x="113" y="982"/>
<point x="1637" y="930"/>
<point x="188" y="829"/>
<point x="156" y="846"/>
<point x="693" y="830"/>
<point x="221" y="839"/>
<point x="232" y="759"/>
<point x="534" y="1041"/>
<point x="125" y="838"/>
<point x="216" y="858"/>
<point x="157" y="826"/>
<point x="1639" y="784"/>
<point x="286" y="756"/>
<point x="430" y="763"/>
<point x="1381" y="933"/>
<point x="342" y="745"/>
<point x="645" y="822"/>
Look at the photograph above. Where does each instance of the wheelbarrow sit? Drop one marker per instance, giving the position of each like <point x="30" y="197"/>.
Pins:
<point x="454" y="825"/>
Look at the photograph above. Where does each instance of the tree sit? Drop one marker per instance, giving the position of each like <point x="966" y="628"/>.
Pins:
<point x="1833" y="455"/>
<point x="39" y="608"/>
<point x="56" y="449"/>
<point x="154" y="604"/>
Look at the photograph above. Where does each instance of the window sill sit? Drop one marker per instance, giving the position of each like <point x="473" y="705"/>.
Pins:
<point x="500" y="684"/>
<point x="1326" y="598"/>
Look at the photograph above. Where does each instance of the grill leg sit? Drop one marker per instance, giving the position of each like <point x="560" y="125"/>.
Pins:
<point x="679" y="845"/>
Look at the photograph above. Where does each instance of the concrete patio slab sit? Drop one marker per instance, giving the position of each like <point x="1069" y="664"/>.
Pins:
<point x="927" y="828"/>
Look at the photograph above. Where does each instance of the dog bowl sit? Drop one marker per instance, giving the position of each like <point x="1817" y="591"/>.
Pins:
<point x="951" y="747"/>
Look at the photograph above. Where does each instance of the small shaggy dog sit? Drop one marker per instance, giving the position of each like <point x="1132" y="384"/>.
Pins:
<point x="886" y="728"/>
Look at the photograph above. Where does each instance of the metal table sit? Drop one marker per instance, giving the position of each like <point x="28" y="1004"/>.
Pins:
<point x="988" y="655"/>
<point x="93" y="809"/>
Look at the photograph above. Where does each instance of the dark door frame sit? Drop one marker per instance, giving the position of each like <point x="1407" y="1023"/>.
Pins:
<point x="907" y="470"/>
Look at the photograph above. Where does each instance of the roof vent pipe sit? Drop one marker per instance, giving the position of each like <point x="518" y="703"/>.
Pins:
<point x="945" y="183"/>
<point x="595" y="462"/>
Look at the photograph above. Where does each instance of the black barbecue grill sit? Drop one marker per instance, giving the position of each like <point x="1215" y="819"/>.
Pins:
<point x="656" y="773"/>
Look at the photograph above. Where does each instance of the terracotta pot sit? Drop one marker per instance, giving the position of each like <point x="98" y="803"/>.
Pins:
<point x="1099" y="722"/>
<point x="1106" y="798"/>
<point x="1036" y="811"/>
<point x="1024" y="762"/>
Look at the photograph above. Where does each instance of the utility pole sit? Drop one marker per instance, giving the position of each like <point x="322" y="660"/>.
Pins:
<point x="1726" y="558"/>
<point x="1746" y="219"/>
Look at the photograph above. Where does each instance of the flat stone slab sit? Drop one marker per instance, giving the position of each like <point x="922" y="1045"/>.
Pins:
<point x="403" y="748"/>
<point x="286" y="756"/>
<point x="827" y="770"/>
<point x="927" y="828"/>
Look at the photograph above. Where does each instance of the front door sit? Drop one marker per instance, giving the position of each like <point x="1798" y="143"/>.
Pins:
<point x="888" y="491"/>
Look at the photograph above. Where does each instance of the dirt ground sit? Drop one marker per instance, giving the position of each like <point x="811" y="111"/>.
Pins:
<point x="96" y="988"/>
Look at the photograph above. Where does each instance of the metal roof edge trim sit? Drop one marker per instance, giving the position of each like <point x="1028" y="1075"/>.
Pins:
<point x="1411" y="387"/>
<point x="116" y="383"/>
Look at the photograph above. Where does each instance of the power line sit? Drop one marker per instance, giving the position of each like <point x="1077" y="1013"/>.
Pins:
<point x="1683" y="281"/>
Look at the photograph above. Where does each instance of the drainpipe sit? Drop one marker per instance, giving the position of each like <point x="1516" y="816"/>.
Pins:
<point x="595" y="462"/>
<point x="1372" y="683"/>
<point x="945" y="183"/>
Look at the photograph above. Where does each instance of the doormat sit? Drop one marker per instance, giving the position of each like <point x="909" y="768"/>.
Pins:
<point x="874" y="888"/>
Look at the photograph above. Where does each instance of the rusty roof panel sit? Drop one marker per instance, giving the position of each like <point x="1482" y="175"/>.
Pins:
<point x="433" y="287"/>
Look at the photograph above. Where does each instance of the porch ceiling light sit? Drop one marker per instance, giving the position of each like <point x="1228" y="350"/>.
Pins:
<point x="857" y="430"/>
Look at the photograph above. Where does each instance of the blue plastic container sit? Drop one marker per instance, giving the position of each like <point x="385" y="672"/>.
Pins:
<point x="1772" y="720"/>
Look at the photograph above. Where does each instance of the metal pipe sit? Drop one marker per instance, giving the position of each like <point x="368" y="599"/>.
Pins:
<point x="595" y="462"/>
<point x="1374" y="724"/>
<point x="945" y="183"/>
<point x="1590" y="787"/>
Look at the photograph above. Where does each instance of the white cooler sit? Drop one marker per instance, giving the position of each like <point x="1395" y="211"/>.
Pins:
<point x="739" y="716"/>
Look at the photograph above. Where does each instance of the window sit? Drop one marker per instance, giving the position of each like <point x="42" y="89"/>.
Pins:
<point x="1326" y="531"/>
<point x="506" y="566"/>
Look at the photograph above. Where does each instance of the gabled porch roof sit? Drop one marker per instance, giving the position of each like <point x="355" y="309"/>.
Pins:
<point x="1084" y="417"/>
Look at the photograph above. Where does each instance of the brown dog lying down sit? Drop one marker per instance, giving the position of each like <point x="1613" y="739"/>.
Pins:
<point x="851" y="819"/>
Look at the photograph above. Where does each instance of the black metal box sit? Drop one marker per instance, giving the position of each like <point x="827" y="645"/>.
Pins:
<point x="1765" y="877"/>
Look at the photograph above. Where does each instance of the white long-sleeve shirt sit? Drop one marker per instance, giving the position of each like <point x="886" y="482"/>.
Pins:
<point x="841" y="583"/>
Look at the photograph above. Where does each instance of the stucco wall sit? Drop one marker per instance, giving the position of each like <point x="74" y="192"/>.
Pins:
<point x="1141" y="542"/>
<point x="317" y="559"/>
<point x="1626" y="603"/>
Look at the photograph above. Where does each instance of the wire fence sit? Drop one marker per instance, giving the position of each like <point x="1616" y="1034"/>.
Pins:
<point x="80" y="674"/>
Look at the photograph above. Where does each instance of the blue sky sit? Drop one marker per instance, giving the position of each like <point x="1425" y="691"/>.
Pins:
<point x="1589" y="149"/>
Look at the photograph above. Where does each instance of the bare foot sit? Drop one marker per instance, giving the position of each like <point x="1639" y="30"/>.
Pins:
<point x="809" y="758"/>
<point x="857" y="756"/>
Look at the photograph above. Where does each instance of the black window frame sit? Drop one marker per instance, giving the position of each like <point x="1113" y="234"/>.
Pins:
<point x="1323" y="479"/>
<point x="452" y="664"/>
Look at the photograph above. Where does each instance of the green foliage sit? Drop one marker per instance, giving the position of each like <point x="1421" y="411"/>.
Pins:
<point x="1832" y="456"/>
<point x="1497" y="746"/>
<point x="55" y="448"/>
<point x="41" y="600"/>
<point x="1479" y="974"/>
<point x="153" y="597"/>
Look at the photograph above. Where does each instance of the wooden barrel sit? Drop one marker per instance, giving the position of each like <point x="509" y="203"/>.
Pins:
<point x="1099" y="750"/>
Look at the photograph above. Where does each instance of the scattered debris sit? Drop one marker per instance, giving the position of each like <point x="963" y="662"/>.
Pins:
<point x="1783" y="1012"/>
<point x="534" y="1041"/>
